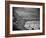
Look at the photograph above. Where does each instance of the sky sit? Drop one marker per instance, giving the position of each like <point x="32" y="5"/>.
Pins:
<point x="27" y="13"/>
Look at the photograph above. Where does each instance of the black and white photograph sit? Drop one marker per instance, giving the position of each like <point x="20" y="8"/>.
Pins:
<point x="25" y="18"/>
